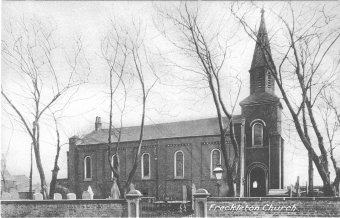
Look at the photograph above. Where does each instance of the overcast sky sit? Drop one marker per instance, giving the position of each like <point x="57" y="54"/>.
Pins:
<point x="171" y="100"/>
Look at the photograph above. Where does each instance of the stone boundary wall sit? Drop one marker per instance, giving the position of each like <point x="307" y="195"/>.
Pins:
<point x="273" y="206"/>
<point x="64" y="208"/>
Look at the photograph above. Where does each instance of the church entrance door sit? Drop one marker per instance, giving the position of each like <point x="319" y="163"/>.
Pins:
<point x="257" y="182"/>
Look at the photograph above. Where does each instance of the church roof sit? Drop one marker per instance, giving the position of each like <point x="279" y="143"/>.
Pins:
<point x="262" y="40"/>
<point x="201" y="127"/>
<point x="260" y="98"/>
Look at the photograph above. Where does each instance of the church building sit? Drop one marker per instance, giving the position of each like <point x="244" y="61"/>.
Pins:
<point x="176" y="155"/>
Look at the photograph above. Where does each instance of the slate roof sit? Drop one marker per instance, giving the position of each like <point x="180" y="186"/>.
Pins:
<point x="260" y="98"/>
<point x="201" y="127"/>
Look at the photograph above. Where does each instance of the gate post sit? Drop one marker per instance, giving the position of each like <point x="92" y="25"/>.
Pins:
<point x="133" y="199"/>
<point x="201" y="205"/>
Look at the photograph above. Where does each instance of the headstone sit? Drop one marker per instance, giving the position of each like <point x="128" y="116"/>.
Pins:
<point x="57" y="196"/>
<point x="86" y="195"/>
<point x="71" y="196"/>
<point x="6" y="196"/>
<point x="115" y="193"/>
<point x="89" y="190"/>
<point x="14" y="194"/>
<point x="38" y="197"/>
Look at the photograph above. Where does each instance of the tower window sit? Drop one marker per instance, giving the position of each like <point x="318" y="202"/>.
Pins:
<point x="257" y="134"/>
<point x="114" y="162"/>
<point x="269" y="80"/>
<point x="146" y="166"/>
<point x="259" y="80"/>
<point x="87" y="168"/>
<point x="215" y="159"/>
<point x="179" y="165"/>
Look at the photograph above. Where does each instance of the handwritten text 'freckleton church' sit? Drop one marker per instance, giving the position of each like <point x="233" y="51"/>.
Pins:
<point x="185" y="153"/>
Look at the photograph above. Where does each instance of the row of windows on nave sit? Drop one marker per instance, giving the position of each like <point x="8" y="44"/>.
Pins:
<point x="179" y="163"/>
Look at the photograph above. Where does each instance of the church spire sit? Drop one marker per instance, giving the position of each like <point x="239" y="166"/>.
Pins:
<point x="261" y="80"/>
<point x="261" y="40"/>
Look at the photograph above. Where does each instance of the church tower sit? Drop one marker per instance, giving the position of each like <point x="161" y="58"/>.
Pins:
<point x="262" y="113"/>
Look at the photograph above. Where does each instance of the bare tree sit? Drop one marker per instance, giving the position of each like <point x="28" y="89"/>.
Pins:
<point x="122" y="47"/>
<point x="114" y="51"/>
<point x="55" y="170"/>
<point x="4" y="156"/>
<point x="311" y="35"/>
<point x="4" y="170"/>
<point x="331" y="118"/>
<point x="208" y="56"/>
<point x="31" y="50"/>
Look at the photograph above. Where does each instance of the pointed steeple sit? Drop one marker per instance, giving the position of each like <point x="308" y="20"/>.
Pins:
<point x="262" y="40"/>
<point x="260" y="78"/>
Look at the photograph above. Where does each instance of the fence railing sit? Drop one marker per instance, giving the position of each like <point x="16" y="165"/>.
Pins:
<point x="151" y="207"/>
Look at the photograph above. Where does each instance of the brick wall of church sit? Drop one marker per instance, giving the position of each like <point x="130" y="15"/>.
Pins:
<point x="271" y="152"/>
<point x="268" y="113"/>
<point x="196" y="168"/>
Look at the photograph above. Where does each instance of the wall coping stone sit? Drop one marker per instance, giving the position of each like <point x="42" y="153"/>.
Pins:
<point x="273" y="199"/>
<point x="66" y="201"/>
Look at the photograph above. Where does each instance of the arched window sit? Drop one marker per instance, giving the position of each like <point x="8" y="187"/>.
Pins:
<point x="146" y="166"/>
<point x="257" y="134"/>
<point x="215" y="159"/>
<point x="114" y="162"/>
<point x="87" y="168"/>
<point x="179" y="165"/>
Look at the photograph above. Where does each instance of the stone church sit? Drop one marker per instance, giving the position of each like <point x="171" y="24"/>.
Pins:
<point x="179" y="154"/>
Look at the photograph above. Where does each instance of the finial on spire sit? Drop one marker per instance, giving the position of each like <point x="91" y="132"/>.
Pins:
<point x="262" y="11"/>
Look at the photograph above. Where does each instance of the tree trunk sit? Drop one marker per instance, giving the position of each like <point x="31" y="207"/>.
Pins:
<point x="4" y="180"/>
<point x="310" y="175"/>
<point x="54" y="181"/>
<point x="41" y="172"/>
<point x="54" y="174"/>
<point x="31" y="174"/>
<point x="229" y="174"/>
<point x="337" y="180"/>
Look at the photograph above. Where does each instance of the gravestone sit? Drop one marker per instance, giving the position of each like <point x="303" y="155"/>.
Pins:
<point x="71" y="196"/>
<point x="89" y="190"/>
<point x="38" y="197"/>
<point x="115" y="193"/>
<point x="57" y="196"/>
<point x="6" y="196"/>
<point x="14" y="194"/>
<point x="86" y="195"/>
